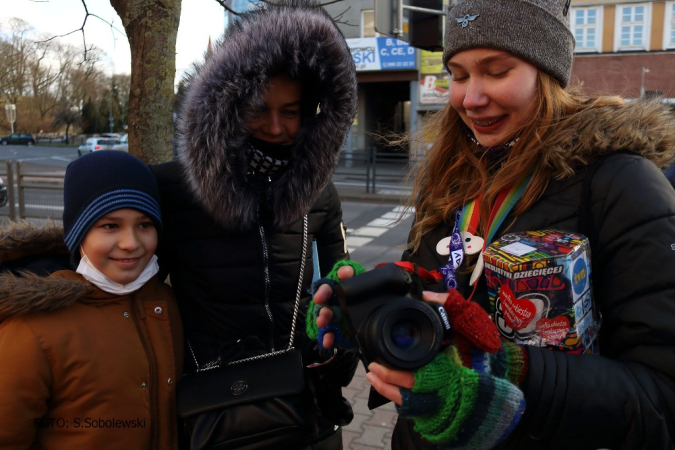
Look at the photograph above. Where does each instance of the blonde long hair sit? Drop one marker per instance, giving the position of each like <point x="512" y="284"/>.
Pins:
<point x="452" y="172"/>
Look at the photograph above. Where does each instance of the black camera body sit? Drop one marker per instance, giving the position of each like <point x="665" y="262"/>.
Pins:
<point x="392" y="324"/>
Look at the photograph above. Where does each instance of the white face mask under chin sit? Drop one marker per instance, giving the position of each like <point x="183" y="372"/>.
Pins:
<point x="93" y="275"/>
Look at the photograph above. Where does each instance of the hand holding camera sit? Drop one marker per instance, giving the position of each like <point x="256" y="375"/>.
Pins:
<point x="442" y="363"/>
<point x="385" y="311"/>
<point x="468" y="395"/>
<point x="391" y="322"/>
<point x="321" y="297"/>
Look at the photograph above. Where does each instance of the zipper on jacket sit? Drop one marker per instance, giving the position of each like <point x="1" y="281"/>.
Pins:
<point x="153" y="379"/>
<point x="266" y="269"/>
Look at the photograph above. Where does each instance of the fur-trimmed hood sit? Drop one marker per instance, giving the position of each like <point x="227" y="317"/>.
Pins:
<point x="296" y="37"/>
<point x="645" y="127"/>
<point x="28" y="292"/>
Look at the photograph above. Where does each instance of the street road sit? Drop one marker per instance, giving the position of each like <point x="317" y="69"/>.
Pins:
<point x="45" y="158"/>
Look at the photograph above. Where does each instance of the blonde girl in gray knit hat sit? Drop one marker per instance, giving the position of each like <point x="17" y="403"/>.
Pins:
<point x="580" y="164"/>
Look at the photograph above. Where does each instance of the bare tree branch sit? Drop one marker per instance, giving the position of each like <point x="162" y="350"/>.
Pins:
<point x="329" y="3"/>
<point x="81" y="29"/>
<point x="338" y="18"/>
<point x="227" y="8"/>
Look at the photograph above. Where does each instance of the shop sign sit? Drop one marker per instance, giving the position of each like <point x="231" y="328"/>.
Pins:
<point x="395" y="54"/>
<point x="365" y="54"/>
<point x="382" y="53"/>
<point x="434" y="79"/>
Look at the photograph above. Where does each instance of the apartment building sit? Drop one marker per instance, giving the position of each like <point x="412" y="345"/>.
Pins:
<point x="624" y="48"/>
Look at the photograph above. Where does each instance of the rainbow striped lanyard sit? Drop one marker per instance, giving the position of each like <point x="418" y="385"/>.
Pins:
<point x="505" y="201"/>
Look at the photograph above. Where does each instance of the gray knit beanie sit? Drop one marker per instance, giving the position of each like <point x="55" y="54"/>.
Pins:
<point x="537" y="31"/>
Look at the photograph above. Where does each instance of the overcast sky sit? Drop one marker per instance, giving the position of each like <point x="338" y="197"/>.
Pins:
<point x="199" y="19"/>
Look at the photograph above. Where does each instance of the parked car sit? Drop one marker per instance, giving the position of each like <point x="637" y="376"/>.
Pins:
<point x="18" y="138"/>
<point x="3" y="193"/>
<point x="96" y="143"/>
<point x="123" y="144"/>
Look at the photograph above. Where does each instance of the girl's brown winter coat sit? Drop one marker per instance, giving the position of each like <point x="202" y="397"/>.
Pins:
<point x="81" y="368"/>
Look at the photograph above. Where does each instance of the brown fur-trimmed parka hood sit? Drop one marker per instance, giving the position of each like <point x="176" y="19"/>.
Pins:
<point x="644" y="127"/>
<point x="24" y="291"/>
<point x="73" y="353"/>
<point x="298" y="38"/>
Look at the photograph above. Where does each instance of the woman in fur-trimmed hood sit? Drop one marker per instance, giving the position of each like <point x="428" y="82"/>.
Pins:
<point x="517" y="152"/>
<point x="260" y="129"/>
<point x="301" y="41"/>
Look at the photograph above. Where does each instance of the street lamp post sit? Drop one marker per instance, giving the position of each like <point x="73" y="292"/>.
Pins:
<point x="10" y="110"/>
<point x="111" y="119"/>
<point x="642" y="82"/>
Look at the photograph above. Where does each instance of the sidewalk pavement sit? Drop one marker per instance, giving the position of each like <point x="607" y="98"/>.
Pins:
<point x="384" y="196"/>
<point x="370" y="430"/>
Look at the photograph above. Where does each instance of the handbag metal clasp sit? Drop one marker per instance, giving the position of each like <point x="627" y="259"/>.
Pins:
<point x="239" y="387"/>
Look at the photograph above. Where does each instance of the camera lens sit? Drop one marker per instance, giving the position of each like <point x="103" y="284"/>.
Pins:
<point x="402" y="334"/>
<point x="405" y="334"/>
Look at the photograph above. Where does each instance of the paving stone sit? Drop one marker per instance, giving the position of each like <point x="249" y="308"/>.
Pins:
<point x="387" y="443"/>
<point x="356" y="426"/>
<point x="348" y="437"/>
<point x="373" y="436"/>
<point x="364" y="393"/>
<point x="383" y="417"/>
<point x="349" y="392"/>
<point x="360" y="406"/>
<point x="356" y="446"/>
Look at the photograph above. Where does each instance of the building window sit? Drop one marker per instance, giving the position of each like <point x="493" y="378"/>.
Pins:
<point x="586" y="27"/>
<point x="633" y="27"/>
<point x="368" y="24"/>
<point x="669" y="28"/>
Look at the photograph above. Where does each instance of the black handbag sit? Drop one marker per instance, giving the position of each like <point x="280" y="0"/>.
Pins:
<point x="254" y="403"/>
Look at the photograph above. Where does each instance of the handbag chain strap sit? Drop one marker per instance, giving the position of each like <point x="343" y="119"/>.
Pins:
<point x="216" y="363"/>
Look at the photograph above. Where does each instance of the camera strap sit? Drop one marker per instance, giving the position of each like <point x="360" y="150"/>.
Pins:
<point x="430" y="276"/>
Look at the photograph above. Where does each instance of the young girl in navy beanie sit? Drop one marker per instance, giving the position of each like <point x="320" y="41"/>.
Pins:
<point x="91" y="356"/>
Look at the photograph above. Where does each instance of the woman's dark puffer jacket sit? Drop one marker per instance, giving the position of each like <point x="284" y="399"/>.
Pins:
<point x="624" y="398"/>
<point x="236" y="289"/>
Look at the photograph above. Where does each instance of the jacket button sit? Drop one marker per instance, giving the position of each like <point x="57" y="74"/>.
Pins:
<point x="170" y="381"/>
<point x="143" y="385"/>
<point x="126" y="314"/>
<point x="158" y="310"/>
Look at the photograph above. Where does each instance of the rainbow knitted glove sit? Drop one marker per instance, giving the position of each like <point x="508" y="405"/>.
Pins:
<point x="468" y="396"/>
<point x="338" y="324"/>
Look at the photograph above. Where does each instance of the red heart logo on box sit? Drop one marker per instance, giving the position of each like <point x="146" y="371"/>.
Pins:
<point x="518" y="312"/>
<point x="553" y="330"/>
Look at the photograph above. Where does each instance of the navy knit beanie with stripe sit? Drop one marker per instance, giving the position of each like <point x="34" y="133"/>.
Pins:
<point x="104" y="181"/>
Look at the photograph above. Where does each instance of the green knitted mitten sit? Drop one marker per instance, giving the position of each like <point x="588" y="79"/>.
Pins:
<point x="466" y="398"/>
<point x="338" y="324"/>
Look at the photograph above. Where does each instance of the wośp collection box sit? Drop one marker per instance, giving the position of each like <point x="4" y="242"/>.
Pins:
<point x="539" y="284"/>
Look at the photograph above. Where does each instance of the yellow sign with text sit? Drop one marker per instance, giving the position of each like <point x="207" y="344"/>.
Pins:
<point x="431" y="62"/>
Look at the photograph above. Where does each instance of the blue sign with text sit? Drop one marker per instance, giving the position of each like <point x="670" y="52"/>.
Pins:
<point x="395" y="54"/>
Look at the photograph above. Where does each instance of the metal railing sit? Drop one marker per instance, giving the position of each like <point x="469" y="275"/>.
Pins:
<point x="371" y="167"/>
<point x="31" y="195"/>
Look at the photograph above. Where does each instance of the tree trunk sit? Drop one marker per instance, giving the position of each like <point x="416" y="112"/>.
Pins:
<point x="151" y="27"/>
